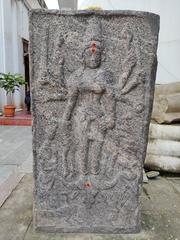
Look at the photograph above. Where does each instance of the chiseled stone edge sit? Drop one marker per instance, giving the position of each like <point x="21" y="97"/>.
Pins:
<point x="85" y="229"/>
<point x="97" y="12"/>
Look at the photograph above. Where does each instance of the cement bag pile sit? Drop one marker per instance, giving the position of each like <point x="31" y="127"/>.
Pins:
<point x="163" y="152"/>
<point x="166" y="107"/>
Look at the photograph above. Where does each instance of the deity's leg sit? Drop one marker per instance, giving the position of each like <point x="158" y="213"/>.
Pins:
<point x="65" y="161"/>
<point x="95" y="156"/>
<point x="82" y="155"/>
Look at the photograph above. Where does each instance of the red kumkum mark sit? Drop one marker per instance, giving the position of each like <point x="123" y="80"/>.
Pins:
<point x="93" y="47"/>
<point x="87" y="185"/>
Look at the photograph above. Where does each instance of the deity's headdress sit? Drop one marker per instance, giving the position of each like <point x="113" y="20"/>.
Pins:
<point x="93" y="32"/>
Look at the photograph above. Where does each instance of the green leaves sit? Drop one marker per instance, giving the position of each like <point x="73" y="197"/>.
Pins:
<point x="11" y="82"/>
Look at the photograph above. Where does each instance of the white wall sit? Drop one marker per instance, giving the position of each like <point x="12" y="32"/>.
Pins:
<point x="169" y="41"/>
<point x="2" y="52"/>
<point x="13" y="27"/>
<point x="34" y="3"/>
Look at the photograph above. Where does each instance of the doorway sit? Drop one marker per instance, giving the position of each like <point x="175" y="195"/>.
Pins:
<point x="26" y="73"/>
<point x="26" y="64"/>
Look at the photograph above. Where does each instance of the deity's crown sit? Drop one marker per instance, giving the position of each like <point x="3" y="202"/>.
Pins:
<point x="93" y="31"/>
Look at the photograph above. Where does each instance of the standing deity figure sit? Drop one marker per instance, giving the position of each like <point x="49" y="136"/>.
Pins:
<point x="91" y="104"/>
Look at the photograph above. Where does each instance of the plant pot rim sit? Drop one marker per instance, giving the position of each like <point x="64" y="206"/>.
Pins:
<point x="9" y="106"/>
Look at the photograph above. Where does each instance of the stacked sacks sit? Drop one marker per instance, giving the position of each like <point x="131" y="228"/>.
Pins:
<point x="166" y="107"/>
<point x="163" y="152"/>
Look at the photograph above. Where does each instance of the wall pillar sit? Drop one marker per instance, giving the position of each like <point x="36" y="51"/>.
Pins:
<point x="3" y="99"/>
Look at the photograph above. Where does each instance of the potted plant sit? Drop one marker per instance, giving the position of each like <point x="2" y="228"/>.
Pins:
<point x="10" y="82"/>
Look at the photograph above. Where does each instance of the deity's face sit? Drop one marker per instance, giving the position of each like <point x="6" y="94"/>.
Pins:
<point x="92" y="55"/>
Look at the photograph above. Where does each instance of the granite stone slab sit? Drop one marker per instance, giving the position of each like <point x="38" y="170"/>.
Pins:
<point x="92" y="76"/>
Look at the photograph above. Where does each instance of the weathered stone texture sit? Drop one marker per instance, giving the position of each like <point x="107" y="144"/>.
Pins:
<point x="93" y="78"/>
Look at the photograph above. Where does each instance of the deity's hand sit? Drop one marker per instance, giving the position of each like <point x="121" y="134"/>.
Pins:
<point x="110" y="123"/>
<point x="107" y="123"/>
<point x="92" y="87"/>
<point x="66" y="124"/>
<point x="98" y="88"/>
<point x="103" y="126"/>
<point x="43" y="82"/>
<point x="123" y="80"/>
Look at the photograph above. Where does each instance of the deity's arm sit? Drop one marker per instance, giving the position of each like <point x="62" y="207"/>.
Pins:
<point x="135" y="81"/>
<point x="105" y="79"/>
<point x="96" y="88"/>
<point x="72" y="98"/>
<point x="127" y="67"/>
<point x="110" y="109"/>
<point x="51" y="92"/>
<point x="56" y="97"/>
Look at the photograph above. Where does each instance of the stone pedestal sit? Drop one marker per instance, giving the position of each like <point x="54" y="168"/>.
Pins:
<point x="93" y="77"/>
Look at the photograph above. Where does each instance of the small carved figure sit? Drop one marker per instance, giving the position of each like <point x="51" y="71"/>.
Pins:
<point x="91" y="104"/>
<point x="128" y="64"/>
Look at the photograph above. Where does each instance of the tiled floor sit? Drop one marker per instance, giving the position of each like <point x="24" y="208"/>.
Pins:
<point x="15" y="157"/>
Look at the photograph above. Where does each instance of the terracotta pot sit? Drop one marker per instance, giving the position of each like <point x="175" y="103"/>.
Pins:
<point x="9" y="110"/>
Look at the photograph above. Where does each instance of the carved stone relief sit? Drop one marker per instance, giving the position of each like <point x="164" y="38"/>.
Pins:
<point x="92" y="85"/>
